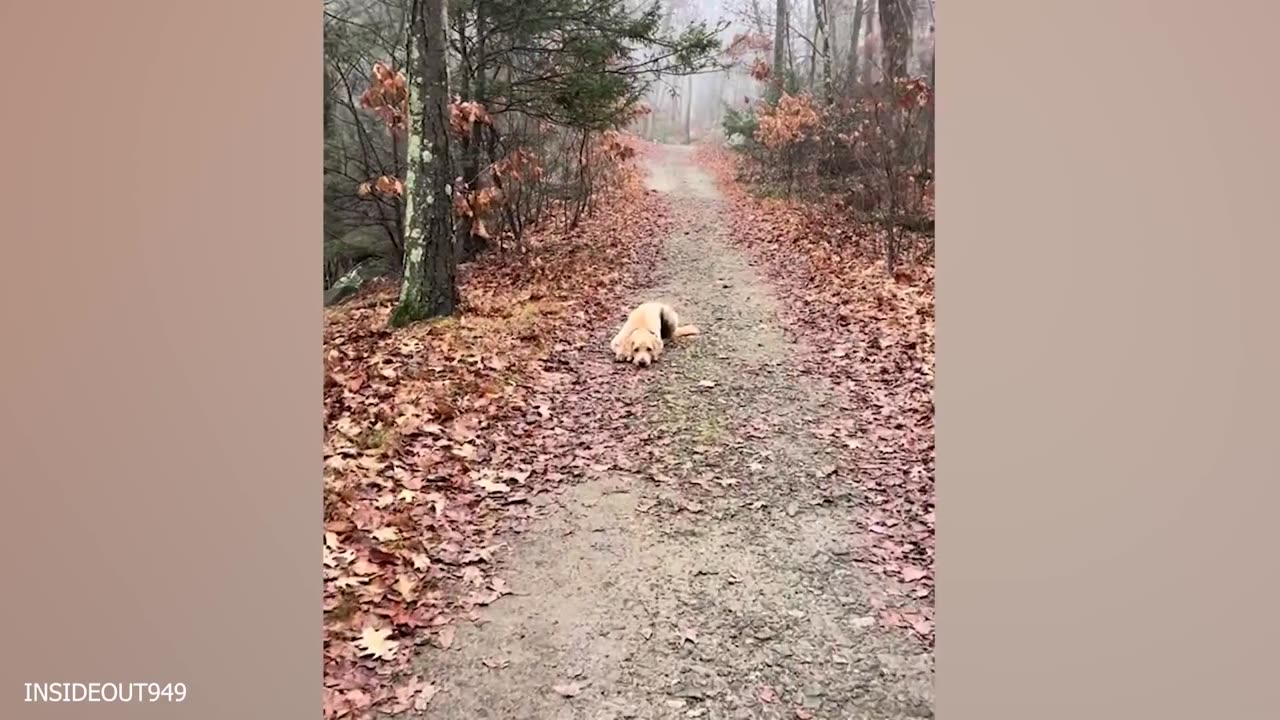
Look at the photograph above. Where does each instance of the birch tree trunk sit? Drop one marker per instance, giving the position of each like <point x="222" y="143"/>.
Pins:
<point x="429" y="288"/>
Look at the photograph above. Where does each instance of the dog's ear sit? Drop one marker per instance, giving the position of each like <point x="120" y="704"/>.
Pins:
<point x="657" y="344"/>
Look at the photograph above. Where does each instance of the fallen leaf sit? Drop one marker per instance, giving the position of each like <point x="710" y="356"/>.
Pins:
<point x="567" y="689"/>
<point x="892" y="618"/>
<point x="376" y="642"/>
<point x="518" y="476"/>
<point x="358" y="699"/>
<point x="405" y="585"/>
<point x="405" y="695"/>
<point x="338" y="526"/>
<point x="445" y="638"/>
<point x="922" y="625"/>
<point x="425" y="695"/>
<point x="386" y="534"/>
<point x="910" y="573"/>
<point x="493" y="486"/>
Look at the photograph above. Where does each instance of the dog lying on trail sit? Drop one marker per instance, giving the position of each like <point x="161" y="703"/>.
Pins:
<point x="640" y="341"/>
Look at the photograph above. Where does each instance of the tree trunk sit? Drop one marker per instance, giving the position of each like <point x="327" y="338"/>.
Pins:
<point x="851" y="79"/>
<point x="779" y="46"/>
<point x="429" y="288"/>
<point x="791" y="50"/>
<point x="820" y="19"/>
<point x="328" y="103"/>
<point x="688" y="113"/>
<point x="660" y="107"/>
<point x="870" y="45"/>
<point x="834" y="28"/>
<point x="813" y="62"/>
<point x="895" y="35"/>
<point x="467" y="243"/>
<point x="927" y="161"/>
<point x="757" y="15"/>
<point x="648" y="118"/>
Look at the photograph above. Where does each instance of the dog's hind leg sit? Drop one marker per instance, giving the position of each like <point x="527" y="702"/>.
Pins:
<point x="668" y="321"/>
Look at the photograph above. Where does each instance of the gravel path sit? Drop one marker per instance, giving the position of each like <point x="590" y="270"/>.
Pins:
<point x="715" y="580"/>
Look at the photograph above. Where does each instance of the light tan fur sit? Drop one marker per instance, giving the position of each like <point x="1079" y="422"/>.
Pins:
<point x="640" y="340"/>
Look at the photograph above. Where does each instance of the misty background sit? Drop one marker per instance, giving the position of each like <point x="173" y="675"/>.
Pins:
<point x="542" y="91"/>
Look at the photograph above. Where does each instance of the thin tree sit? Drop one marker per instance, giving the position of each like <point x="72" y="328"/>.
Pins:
<point x="895" y="32"/>
<point x="475" y="68"/>
<point x="927" y="155"/>
<point x="688" y="113"/>
<point x="780" y="25"/>
<point x="429" y="288"/>
<point x="870" y="43"/>
<point x="820" y="19"/>
<point x="851" y="79"/>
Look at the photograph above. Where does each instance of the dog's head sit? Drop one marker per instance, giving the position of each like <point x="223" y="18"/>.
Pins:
<point x="645" y="347"/>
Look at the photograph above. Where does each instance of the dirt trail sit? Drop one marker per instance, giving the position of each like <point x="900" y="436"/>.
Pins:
<point x="718" y="584"/>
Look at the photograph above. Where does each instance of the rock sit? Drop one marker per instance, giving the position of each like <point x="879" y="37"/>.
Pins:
<point x="350" y="284"/>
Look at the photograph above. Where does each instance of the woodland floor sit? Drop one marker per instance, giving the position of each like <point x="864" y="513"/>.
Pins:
<point x="743" y="530"/>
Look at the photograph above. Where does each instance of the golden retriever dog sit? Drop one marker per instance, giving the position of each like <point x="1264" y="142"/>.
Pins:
<point x="640" y="340"/>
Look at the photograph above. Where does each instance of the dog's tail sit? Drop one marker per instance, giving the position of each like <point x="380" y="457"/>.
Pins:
<point x="686" y="330"/>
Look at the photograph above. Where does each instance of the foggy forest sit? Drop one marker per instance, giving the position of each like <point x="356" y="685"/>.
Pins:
<point x="517" y="525"/>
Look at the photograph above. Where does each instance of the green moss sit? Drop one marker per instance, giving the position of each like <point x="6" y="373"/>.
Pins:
<point x="407" y="312"/>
